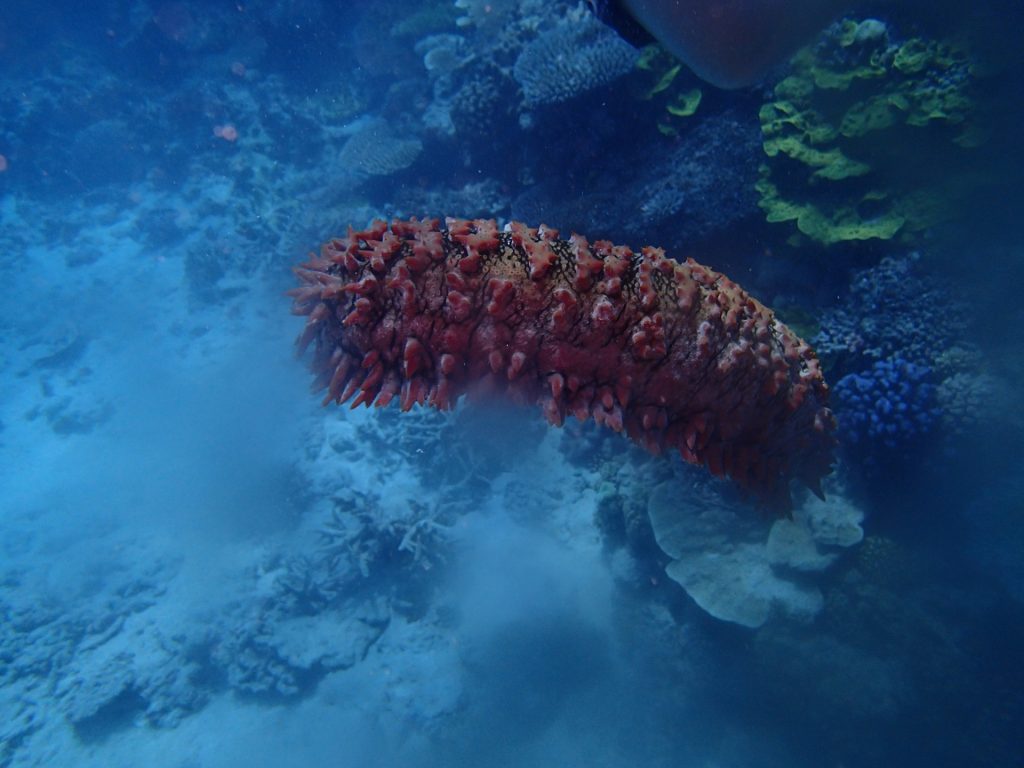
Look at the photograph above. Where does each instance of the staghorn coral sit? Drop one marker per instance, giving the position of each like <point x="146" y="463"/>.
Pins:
<point x="363" y="538"/>
<point x="676" y="355"/>
<point x="309" y="585"/>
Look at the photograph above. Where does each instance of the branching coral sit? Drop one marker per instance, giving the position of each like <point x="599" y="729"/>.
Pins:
<point x="888" y="406"/>
<point x="364" y="537"/>
<point x="903" y="350"/>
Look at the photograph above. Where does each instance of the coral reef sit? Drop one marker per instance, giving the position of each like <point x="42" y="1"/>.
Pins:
<point x="680" y="97"/>
<point x="487" y="15"/>
<point x="375" y="151"/>
<point x="675" y="355"/>
<point x="889" y="406"/>
<point x="875" y="320"/>
<point x="906" y="369"/>
<point x="574" y="56"/>
<point x="318" y="567"/>
<point x="480" y="109"/>
<point x="862" y="136"/>
<point x="141" y="667"/>
<point x="888" y="654"/>
<point x="744" y="570"/>
<point x="277" y="654"/>
<point x="475" y="198"/>
<point x="967" y="400"/>
<point x="96" y="649"/>
<point x="705" y="183"/>
<point x="692" y="191"/>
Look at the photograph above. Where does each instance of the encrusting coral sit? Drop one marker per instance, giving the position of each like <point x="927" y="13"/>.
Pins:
<point x="674" y="354"/>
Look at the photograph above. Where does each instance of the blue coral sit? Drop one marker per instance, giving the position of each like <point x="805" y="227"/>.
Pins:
<point x="888" y="406"/>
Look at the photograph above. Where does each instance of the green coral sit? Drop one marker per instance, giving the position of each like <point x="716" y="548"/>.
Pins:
<point x="669" y="84"/>
<point x="835" y="225"/>
<point x="865" y="39"/>
<point x="860" y="135"/>
<point x="685" y="104"/>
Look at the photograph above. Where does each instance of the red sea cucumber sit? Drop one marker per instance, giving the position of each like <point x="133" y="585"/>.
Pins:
<point x="673" y="354"/>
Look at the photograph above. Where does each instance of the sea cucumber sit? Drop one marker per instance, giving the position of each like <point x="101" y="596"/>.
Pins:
<point x="673" y="354"/>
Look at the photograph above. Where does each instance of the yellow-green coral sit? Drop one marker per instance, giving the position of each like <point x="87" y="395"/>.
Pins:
<point x="685" y="104"/>
<point x="858" y="136"/>
<point x="783" y="118"/>
<point x="671" y="85"/>
<point x="830" y="163"/>
<point x="839" y="73"/>
<point x="829" y="226"/>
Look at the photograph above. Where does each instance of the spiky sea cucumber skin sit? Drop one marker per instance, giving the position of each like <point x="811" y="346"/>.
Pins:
<point x="673" y="354"/>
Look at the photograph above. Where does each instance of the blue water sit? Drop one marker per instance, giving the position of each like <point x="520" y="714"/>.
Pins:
<point x="200" y="566"/>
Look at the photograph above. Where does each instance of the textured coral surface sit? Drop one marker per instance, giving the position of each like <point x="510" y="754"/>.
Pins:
<point x="674" y="354"/>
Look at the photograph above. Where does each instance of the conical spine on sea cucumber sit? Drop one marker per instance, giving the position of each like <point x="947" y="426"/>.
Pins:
<point x="673" y="354"/>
